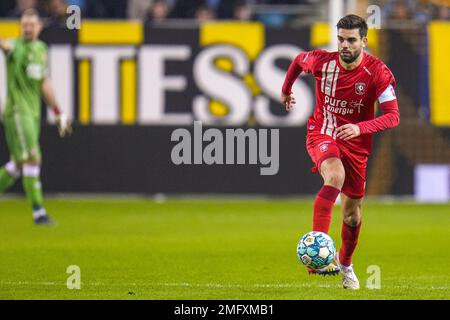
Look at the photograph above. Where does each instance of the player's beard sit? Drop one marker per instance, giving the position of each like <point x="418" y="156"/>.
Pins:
<point x="350" y="57"/>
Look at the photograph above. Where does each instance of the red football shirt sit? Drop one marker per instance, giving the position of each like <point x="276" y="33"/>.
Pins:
<point x="342" y="96"/>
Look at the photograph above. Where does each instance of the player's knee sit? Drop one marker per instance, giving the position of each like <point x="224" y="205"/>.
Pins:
<point x="13" y="169"/>
<point x="31" y="170"/>
<point x="352" y="218"/>
<point x="333" y="172"/>
<point x="335" y="177"/>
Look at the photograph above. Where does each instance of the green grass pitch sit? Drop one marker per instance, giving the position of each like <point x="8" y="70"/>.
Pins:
<point x="214" y="249"/>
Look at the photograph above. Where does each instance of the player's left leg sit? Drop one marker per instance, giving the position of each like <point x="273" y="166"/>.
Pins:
<point x="351" y="201"/>
<point x="351" y="226"/>
<point x="33" y="189"/>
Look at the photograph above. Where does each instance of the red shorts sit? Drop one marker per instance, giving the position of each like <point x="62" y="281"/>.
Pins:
<point x="321" y="147"/>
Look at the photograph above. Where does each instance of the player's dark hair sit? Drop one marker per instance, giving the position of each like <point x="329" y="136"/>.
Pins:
<point x="31" y="12"/>
<point x="352" y="21"/>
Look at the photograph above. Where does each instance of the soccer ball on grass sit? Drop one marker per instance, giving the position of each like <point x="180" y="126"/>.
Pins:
<point x="316" y="250"/>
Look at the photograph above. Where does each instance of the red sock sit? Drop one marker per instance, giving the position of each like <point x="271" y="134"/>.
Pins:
<point x="350" y="237"/>
<point x="323" y="207"/>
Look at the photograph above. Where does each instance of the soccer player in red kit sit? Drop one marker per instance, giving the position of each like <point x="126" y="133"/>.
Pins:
<point x="339" y="133"/>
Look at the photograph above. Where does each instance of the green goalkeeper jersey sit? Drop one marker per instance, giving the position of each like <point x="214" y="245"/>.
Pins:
<point x="26" y="69"/>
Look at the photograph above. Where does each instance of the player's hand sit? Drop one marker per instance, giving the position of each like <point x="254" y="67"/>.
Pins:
<point x="288" y="101"/>
<point x="64" y="125"/>
<point x="348" y="131"/>
<point x="5" y="46"/>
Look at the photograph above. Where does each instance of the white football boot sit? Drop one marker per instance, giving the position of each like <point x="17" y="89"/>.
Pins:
<point x="349" y="279"/>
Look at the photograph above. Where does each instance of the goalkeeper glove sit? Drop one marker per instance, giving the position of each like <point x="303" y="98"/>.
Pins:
<point x="62" y="122"/>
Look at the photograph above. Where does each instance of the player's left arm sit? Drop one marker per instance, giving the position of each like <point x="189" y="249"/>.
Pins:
<point x="388" y="105"/>
<point x="389" y="119"/>
<point x="62" y="121"/>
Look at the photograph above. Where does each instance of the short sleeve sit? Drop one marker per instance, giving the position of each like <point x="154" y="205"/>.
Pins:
<point x="384" y="79"/>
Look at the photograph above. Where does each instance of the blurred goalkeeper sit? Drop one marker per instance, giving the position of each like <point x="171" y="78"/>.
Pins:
<point x="26" y="60"/>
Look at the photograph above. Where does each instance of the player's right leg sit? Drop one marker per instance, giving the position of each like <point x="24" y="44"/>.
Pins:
<point x="326" y="155"/>
<point x="333" y="174"/>
<point x="23" y="142"/>
<point x="11" y="171"/>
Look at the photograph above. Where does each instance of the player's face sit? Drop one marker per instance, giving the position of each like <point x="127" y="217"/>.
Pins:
<point x="31" y="27"/>
<point x="350" y="44"/>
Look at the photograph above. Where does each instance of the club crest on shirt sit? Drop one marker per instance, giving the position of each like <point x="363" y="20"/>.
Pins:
<point x="360" y="88"/>
<point x="324" y="147"/>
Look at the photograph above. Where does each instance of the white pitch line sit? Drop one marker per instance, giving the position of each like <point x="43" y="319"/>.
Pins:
<point x="212" y="285"/>
<point x="173" y="284"/>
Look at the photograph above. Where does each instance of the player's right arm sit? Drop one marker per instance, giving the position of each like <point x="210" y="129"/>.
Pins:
<point x="304" y="62"/>
<point x="5" y="46"/>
